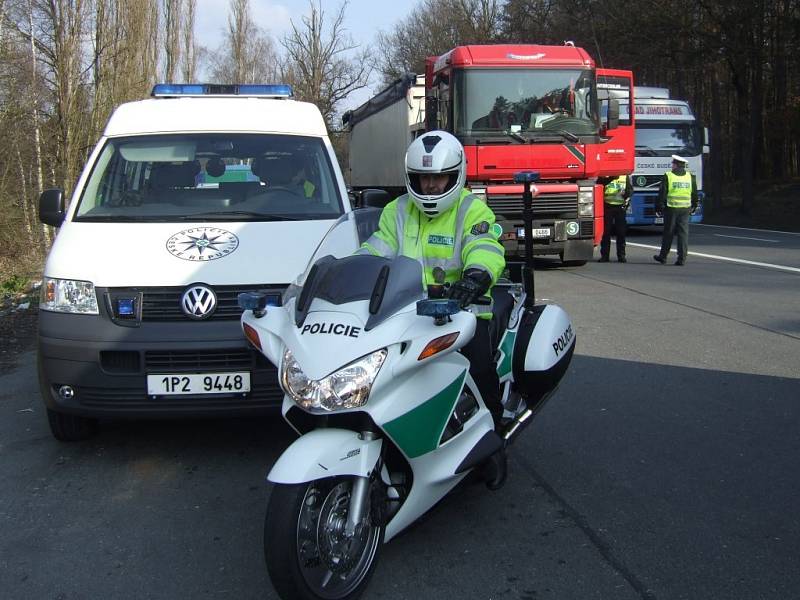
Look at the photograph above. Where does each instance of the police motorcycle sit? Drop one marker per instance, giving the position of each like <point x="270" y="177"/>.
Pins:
<point x="388" y="416"/>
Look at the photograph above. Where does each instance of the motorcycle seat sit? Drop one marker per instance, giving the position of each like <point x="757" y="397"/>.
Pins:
<point x="501" y="313"/>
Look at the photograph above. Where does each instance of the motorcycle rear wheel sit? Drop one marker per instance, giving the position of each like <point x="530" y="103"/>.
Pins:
<point x="308" y="555"/>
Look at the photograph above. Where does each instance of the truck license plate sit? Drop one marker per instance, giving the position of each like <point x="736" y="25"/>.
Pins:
<point x="543" y="232"/>
<point x="176" y="384"/>
<point x="659" y="220"/>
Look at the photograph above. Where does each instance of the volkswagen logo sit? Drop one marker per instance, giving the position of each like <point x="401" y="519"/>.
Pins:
<point x="199" y="302"/>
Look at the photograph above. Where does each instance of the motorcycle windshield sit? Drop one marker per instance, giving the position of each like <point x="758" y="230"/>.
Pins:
<point x="338" y="276"/>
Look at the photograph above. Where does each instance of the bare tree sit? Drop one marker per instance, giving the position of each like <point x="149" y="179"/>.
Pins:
<point x="248" y="54"/>
<point x="172" y="11"/>
<point x="189" y="46"/>
<point x="434" y="27"/>
<point x="324" y="68"/>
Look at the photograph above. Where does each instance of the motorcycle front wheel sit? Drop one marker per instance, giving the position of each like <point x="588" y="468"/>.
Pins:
<point x="308" y="552"/>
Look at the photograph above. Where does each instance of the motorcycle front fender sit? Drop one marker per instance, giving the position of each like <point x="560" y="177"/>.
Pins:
<point x="326" y="453"/>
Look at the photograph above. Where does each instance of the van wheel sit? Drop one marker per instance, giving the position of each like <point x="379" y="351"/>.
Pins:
<point x="69" y="428"/>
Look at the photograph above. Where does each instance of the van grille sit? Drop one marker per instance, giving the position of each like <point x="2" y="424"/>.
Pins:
<point x="163" y="304"/>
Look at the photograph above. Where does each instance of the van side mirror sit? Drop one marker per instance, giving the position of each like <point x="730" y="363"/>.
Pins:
<point x="51" y="207"/>
<point x="613" y="113"/>
<point x="375" y="198"/>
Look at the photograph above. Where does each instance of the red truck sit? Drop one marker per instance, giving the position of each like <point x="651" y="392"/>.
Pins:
<point x="515" y="107"/>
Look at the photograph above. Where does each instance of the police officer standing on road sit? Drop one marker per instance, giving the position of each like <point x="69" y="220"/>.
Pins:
<point x="678" y="192"/>
<point x="616" y="197"/>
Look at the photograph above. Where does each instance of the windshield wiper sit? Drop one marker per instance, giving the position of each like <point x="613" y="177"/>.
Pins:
<point x="547" y="135"/>
<point x="567" y="134"/>
<point x="645" y="150"/>
<point x="515" y="135"/>
<point x="235" y="215"/>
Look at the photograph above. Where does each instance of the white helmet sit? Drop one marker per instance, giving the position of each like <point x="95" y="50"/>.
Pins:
<point x="432" y="153"/>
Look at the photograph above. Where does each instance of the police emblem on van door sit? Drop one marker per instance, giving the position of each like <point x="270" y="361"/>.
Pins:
<point x="202" y="244"/>
<point x="199" y="302"/>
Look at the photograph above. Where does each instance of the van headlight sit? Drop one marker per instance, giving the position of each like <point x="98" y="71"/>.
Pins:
<point x="348" y="387"/>
<point x="69" y="296"/>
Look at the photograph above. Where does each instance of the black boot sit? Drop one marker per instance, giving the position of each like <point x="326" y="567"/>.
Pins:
<point x="496" y="470"/>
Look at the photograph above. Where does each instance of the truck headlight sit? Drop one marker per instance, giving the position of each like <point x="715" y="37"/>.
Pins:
<point x="349" y="387"/>
<point x="69" y="296"/>
<point x="585" y="202"/>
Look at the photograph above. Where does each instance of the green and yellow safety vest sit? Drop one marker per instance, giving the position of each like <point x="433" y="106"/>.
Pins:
<point x="679" y="190"/>
<point x="612" y="193"/>
<point x="462" y="238"/>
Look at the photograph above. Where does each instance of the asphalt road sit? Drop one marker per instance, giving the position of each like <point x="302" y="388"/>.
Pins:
<point x="665" y="467"/>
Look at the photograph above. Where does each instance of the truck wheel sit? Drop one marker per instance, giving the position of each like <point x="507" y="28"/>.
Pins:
<point x="69" y="428"/>
<point x="571" y="263"/>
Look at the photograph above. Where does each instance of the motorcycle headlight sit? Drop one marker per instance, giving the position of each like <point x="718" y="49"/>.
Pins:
<point x="348" y="387"/>
<point x="68" y="295"/>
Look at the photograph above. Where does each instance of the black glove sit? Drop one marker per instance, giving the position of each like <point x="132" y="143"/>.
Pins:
<point x="470" y="287"/>
<point x="694" y="208"/>
<point x="659" y="209"/>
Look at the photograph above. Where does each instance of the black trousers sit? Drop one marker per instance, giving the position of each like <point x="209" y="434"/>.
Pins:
<point x="613" y="222"/>
<point x="676" y="221"/>
<point x="482" y="367"/>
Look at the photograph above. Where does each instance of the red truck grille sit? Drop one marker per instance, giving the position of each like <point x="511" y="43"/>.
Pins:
<point x="544" y="205"/>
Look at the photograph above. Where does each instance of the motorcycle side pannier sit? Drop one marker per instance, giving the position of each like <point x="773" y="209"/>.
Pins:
<point x="542" y="352"/>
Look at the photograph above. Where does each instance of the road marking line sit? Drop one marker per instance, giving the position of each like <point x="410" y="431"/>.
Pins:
<point x="741" y="237"/>
<point x="745" y="228"/>
<point x="725" y="258"/>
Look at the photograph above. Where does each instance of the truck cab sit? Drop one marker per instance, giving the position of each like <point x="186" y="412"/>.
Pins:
<point x="535" y="108"/>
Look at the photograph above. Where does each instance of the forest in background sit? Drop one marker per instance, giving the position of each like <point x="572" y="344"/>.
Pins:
<point x="65" y="64"/>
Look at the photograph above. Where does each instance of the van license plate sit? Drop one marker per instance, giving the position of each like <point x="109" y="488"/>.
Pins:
<point x="176" y="384"/>
<point x="543" y="232"/>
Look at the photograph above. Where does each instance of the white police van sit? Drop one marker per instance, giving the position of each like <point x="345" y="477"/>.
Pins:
<point x="189" y="198"/>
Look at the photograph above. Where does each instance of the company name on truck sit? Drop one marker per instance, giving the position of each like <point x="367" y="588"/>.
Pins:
<point x="562" y="343"/>
<point x="660" y="110"/>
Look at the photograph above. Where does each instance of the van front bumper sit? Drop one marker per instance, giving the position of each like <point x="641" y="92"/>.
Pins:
<point x="106" y="367"/>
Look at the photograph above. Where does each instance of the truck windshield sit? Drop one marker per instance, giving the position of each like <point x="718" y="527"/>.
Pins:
<point x="213" y="177"/>
<point x="487" y="101"/>
<point x="684" y="139"/>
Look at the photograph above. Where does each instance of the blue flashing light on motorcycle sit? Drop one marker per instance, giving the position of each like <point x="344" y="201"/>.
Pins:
<point x="438" y="309"/>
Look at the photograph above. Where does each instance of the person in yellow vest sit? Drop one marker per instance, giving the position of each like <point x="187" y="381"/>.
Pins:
<point x="454" y="236"/>
<point x="616" y="196"/>
<point x="302" y="180"/>
<point x="678" y="193"/>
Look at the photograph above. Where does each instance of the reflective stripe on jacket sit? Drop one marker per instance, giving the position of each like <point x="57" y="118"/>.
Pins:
<point x="612" y="192"/>
<point x="679" y="190"/>
<point x="461" y="238"/>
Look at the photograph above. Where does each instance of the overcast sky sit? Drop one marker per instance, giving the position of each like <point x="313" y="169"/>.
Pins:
<point x="363" y="19"/>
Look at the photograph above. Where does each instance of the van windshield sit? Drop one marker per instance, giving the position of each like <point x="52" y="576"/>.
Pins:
<point x="211" y="177"/>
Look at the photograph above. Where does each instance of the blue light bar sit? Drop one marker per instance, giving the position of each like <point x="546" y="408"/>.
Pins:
<point x="166" y="90"/>
<point x="438" y="308"/>
<point x="252" y="300"/>
<point x="126" y="307"/>
<point x="526" y="176"/>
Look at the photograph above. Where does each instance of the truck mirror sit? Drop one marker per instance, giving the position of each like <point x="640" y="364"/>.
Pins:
<point x="375" y="198"/>
<point x="51" y="207"/>
<point x="613" y="113"/>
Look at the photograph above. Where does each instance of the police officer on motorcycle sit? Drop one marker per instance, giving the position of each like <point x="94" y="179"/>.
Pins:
<point x="453" y="234"/>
